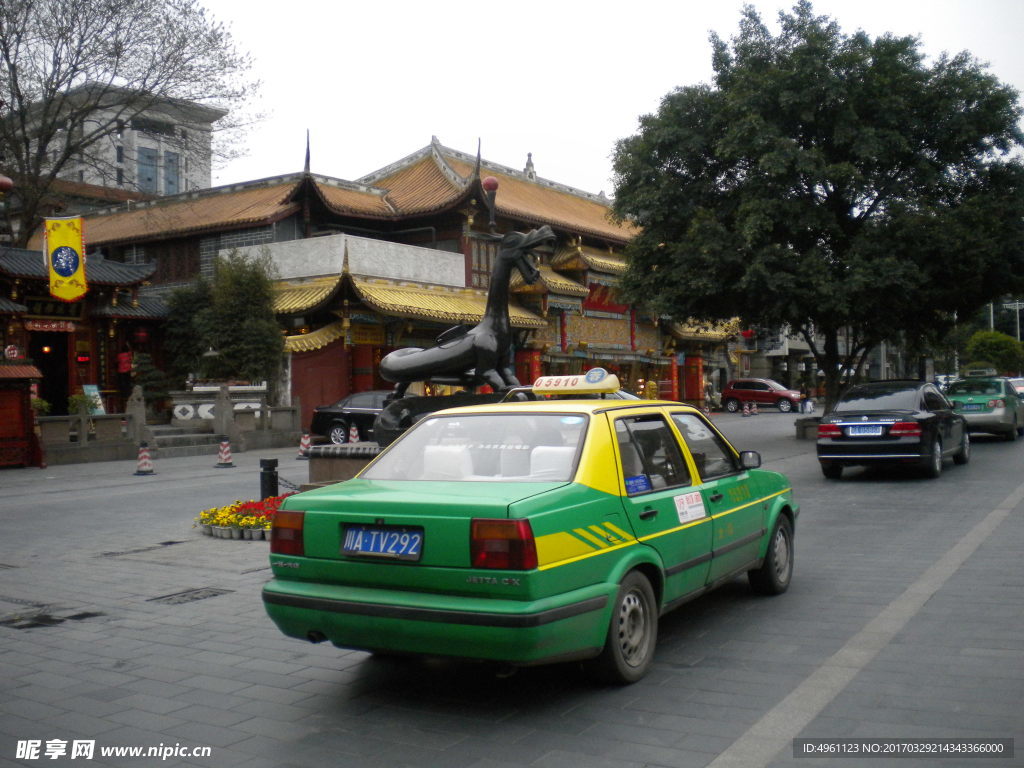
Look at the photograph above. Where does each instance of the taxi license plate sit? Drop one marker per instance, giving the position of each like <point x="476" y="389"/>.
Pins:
<point x="973" y="406"/>
<point x="395" y="542"/>
<point x="864" y="430"/>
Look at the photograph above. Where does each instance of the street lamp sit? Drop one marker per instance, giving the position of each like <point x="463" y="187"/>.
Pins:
<point x="1016" y="306"/>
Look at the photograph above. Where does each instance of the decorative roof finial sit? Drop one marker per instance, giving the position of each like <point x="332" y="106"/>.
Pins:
<point x="531" y="174"/>
<point x="306" y="168"/>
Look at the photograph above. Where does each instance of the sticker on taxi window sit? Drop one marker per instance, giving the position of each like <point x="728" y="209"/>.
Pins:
<point x="638" y="484"/>
<point x="690" y="507"/>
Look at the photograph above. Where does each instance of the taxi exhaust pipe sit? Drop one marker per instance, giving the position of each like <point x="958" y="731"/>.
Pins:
<point x="316" y="637"/>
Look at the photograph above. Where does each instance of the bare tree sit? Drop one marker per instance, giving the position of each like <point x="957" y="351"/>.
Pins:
<point x="75" y="72"/>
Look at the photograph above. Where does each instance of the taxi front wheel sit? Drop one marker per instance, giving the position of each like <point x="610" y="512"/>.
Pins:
<point x="774" y="575"/>
<point x="632" y="633"/>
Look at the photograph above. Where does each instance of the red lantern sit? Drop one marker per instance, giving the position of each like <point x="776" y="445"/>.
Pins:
<point x="141" y="335"/>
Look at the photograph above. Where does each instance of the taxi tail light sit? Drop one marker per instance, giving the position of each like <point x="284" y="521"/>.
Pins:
<point x="905" y="429"/>
<point x="829" y="430"/>
<point x="996" y="404"/>
<point x="502" y="544"/>
<point x="286" y="535"/>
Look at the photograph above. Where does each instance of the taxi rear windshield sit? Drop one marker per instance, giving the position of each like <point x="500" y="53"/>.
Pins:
<point x="975" y="387"/>
<point x="512" y="447"/>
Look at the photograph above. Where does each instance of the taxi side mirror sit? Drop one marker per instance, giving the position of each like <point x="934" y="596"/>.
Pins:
<point x="750" y="459"/>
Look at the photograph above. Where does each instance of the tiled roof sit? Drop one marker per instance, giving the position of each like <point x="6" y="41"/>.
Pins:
<point x="149" y="308"/>
<point x="435" y="303"/>
<point x="318" y="339"/>
<point x="550" y="281"/>
<point x="583" y="257"/>
<point x="346" y="199"/>
<point x="19" y="372"/>
<point x="420" y="187"/>
<point x="16" y="262"/>
<point x="222" y="208"/>
<point x="548" y="203"/>
<point x="9" y="307"/>
<point x="292" y="297"/>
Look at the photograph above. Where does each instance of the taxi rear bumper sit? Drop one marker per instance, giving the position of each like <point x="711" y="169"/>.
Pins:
<point x="564" y="627"/>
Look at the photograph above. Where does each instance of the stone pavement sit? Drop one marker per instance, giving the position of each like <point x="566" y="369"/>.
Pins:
<point x="121" y="625"/>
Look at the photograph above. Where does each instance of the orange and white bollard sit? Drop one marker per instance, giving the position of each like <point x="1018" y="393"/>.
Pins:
<point x="145" y="463"/>
<point x="746" y="409"/>
<point x="353" y="434"/>
<point x="753" y="409"/>
<point x="224" y="454"/>
<point x="304" y="447"/>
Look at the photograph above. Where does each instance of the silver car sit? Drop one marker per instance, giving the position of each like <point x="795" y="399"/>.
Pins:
<point x="990" y="404"/>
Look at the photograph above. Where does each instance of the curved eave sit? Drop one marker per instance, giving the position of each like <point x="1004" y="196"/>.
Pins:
<point x="318" y="339"/>
<point x="549" y="282"/>
<point x="292" y="298"/>
<point x="148" y="308"/>
<point x="712" y="332"/>
<point x="435" y="303"/>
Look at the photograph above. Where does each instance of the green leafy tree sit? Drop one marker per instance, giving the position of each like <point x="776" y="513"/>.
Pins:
<point x="1000" y="350"/>
<point x="833" y="183"/>
<point x="187" y="330"/>
<point x="74" y="70"/>
<point x="240" y="323"/>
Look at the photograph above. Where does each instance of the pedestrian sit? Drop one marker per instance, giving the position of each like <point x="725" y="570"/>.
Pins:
<point x="125" y="363"/>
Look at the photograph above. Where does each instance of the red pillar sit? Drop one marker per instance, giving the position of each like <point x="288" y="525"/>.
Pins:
<point x="693" y="378"/>
<point x="362" y="368"/>
<point x="673" y="377"/>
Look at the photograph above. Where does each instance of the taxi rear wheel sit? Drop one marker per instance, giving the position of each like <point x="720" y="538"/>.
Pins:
<point x="632" y="633"/>
<point x="774" y="575"/>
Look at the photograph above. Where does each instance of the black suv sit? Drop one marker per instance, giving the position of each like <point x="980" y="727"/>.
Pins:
<point x="892" y="422"/>
<point x="359" y="410"/>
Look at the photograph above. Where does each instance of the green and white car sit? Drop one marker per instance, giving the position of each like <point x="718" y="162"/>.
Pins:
<point x="531" y="532"/>
<point x="990" y="404"/>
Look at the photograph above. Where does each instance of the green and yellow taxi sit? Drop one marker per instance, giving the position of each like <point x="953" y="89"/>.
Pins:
<point x="531" y="532"/>
<point x="990" y="404"/>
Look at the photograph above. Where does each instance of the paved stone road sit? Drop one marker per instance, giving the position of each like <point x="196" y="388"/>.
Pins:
<point x="904" y="620"/>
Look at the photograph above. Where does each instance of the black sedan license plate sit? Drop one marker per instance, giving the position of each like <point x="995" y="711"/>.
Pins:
<point x="865" y="430"/>
<point x="395" y="542"/>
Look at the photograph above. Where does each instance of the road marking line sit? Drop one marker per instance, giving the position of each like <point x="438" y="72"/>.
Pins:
<point x="775" y="731"/>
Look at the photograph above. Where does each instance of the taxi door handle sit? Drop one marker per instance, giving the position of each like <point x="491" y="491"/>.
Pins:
<point x="716" y="497"/>
<point x="648" y="513"/>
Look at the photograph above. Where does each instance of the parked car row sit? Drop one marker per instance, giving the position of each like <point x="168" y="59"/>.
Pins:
<point x="914" y="423"/>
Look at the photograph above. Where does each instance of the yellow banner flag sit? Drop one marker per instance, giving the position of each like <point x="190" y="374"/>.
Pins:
<point x="64" y="247"/>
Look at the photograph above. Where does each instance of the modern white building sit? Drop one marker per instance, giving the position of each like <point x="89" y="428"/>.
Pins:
<point x="163" y="147"/>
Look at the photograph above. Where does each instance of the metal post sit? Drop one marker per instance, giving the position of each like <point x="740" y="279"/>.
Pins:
<point x="268" y="478"/>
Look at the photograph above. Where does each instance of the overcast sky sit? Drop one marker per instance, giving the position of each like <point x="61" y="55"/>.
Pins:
<point x="563" y="79"/>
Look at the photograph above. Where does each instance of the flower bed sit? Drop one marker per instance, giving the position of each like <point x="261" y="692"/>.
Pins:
<point x="241" y="519"/>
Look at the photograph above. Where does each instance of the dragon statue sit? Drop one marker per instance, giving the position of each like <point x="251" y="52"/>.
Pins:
<point x="481" y="354"/>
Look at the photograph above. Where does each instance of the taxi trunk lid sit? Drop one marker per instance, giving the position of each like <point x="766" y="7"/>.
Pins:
<point x="404" y="524"/>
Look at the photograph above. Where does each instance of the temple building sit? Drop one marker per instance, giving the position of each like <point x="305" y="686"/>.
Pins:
<point x="386" y="261"/>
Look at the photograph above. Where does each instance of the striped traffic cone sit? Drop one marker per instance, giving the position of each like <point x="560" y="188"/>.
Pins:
<point x="145" y="463"/>
<point x="224" y="454"/>
<point x="746" y="409"/>
<point x="304" y="447"/>
<point x="353" y="434"/>
<point x="753" y="409"/>
<point x="707" y="410"/>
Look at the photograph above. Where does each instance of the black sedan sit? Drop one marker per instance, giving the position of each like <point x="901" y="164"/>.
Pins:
<point x="892" y="422"/>
<point x="336" y="421"/>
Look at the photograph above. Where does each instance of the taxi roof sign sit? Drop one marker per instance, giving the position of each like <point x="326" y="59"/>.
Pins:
<point x="596" y="381"/>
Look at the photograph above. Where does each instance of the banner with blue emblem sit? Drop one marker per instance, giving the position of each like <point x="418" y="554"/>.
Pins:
<point x="64" y="249"/>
